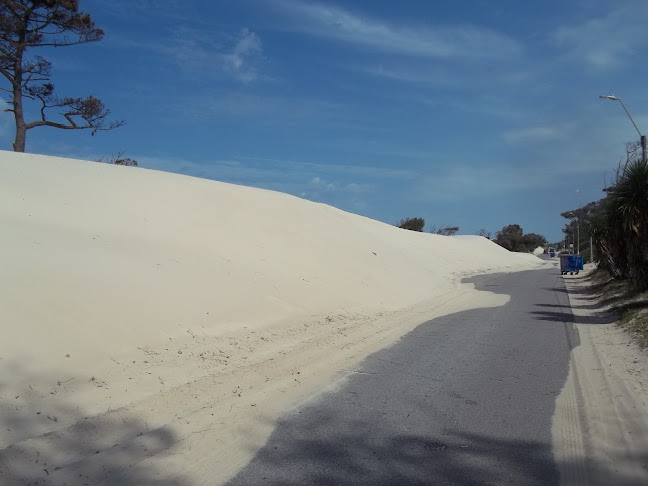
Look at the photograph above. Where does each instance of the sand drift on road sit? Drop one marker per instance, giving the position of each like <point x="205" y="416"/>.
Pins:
<point x="154" y="325"/>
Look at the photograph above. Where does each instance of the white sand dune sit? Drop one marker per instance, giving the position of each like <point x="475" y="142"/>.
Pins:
<point x="166" y="321"/>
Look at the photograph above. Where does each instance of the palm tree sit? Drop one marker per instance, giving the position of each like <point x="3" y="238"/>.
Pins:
<point x="626" y="211"/>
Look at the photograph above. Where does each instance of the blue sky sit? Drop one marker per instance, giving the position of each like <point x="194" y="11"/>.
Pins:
<point x="469" y="113"/>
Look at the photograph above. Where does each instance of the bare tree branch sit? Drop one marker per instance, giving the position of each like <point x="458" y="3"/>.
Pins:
<point x="27" y="24"/>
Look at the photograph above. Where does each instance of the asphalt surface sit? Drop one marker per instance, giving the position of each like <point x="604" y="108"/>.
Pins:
<point x="465" y="399"/>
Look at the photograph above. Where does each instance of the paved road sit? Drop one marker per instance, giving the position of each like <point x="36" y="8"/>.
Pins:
<point x="465" y="399"/>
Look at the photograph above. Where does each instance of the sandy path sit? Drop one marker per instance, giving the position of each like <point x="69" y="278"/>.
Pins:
<point x="600" y="429"/>
<point x="205" y="430"/>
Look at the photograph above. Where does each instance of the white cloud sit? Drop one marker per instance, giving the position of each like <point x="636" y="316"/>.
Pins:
<point x="319" y="184"/>
<point x="462" y="182"/>
<point x="536" y="134"/>
<point x="207" y="53"/>
<point x="463" y="41"/>
<point x="241" y="62"/>
<point x="290" y="177"/>
<point x="365" y="171"/>
<point x="609" y="41"/>
<point x="434" y="76"/>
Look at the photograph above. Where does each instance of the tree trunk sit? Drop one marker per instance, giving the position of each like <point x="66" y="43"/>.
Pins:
<point x="21" y="127"/>
<point x="21" y="136"/>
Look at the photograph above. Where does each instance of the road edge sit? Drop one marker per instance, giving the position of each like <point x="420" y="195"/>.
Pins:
<point x="600" y="423"/>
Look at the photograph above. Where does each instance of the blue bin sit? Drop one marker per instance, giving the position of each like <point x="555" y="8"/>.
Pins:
<point x="571" y="264"/>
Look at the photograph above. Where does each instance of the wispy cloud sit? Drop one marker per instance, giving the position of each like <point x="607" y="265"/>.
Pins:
<point x="435" y="76"/>
<point x="537" y="134"/>
<point x="241" y="61"/>
<point x="462" y="182"/>
<point x="335" y="23"/>
<point x="237" y="57"/>
<point x="452" y="77"/>
<point x="609" y="41"/>
<point x="320" y="182"/>
<point x="260" y="171"/>
<point x="204" y="52"/>
<point x="261" y="109"/>
<point x="370" y="172"/>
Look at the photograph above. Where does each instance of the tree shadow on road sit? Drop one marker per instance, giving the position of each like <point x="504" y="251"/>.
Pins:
<point x="355" y="454"/>
<point x="602" y="317"/>
<point x="606" y="300"/>
<point x="53" y="443"/>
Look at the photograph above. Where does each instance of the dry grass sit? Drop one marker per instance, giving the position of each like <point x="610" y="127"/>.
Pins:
<point x="620" y="296"/>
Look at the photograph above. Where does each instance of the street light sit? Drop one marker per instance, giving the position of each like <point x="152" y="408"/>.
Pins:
<point x="578" y="221"/>
<point x="642" y="137"/>
<point x="582" y="202"/>
<point x="574" y="216"/>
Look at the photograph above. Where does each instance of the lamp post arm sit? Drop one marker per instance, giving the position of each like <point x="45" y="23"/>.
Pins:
<point x="630" y="116"/>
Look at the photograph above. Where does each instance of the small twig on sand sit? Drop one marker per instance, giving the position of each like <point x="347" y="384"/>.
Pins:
<point x="360" y="372"/>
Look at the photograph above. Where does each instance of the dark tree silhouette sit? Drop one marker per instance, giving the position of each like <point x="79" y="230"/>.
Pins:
<point x="510" y="237"/>
<point x="28" y="24"/>
<point x="119" y="159"/>
<point x="412" y="224"/>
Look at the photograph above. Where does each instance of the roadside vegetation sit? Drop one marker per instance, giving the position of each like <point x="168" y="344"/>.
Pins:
<point x="621" y="297"/>
<point x="618" y="223"/>
<point x="618" y="226"/>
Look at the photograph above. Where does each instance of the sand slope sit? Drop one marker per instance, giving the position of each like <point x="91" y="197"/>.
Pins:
<point x="125" y="291"/>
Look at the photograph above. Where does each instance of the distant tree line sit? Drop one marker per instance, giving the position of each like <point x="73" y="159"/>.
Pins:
<point x="418" y="224"/>
<point x="512" y="238"/>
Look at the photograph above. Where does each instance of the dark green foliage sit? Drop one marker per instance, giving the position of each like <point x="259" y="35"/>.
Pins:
<point x="626" y="218"/>
<point x="512" y="238"/>
<point x="579" y="228"/>
<point x="413" y="224"/>
<point x="619" y="223"/>
<point x="532" y="241"/>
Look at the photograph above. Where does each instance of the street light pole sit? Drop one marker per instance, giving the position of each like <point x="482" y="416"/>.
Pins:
<point x="641" y="137"/>
<point x="578" y="216"/>
<point x="578" y="233"/>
